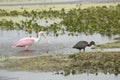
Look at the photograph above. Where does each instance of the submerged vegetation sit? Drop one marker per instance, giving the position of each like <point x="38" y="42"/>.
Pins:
<point x="99" y="19"/>
<point x="91" y="62"/>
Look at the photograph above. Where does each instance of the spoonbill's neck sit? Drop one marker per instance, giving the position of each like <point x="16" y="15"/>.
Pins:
<point x="38" y="38"/>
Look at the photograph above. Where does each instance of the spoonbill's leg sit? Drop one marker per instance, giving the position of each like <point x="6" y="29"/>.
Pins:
<point x="26" y="47"/>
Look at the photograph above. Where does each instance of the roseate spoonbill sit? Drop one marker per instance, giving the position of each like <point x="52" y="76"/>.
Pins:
<point x="83" y="44"/>
<point x="27" y="42"/>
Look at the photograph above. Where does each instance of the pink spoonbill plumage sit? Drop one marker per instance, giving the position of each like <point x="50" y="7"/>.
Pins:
<point x="27" y="42"/>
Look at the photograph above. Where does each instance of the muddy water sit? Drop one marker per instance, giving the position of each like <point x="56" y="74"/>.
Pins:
<point x="61" y="44"/>
<point x="12" y="75"/>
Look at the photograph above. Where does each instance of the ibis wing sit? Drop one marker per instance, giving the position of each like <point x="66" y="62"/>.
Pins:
<point x="80" y="44"/>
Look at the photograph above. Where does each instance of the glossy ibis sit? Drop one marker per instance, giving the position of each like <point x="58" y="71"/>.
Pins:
<point x="83" y="44"/>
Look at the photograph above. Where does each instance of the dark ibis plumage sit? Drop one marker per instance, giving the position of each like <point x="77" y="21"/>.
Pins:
<point x="83" y="44"/>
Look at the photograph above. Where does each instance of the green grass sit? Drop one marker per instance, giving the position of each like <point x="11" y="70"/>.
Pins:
<point x="81" y="62"/>
<point x="39" y="7"/>
<point x="39" y="63"/>
<point x="110" y="45"/>
<point x="54" y="7"/>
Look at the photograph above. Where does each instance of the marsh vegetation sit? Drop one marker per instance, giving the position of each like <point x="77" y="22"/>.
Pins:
<point x="100" y="19"/>
<point x="91" y="62"/>
<point x="104" y="20"/>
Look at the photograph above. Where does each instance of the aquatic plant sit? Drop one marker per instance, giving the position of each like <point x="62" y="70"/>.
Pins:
<point x="99" y="19"/>
<point x="6" y="25"/>
<point x="103" y="20"/>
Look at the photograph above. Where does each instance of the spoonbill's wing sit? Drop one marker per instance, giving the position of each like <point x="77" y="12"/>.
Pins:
<point x="23" y="42"/>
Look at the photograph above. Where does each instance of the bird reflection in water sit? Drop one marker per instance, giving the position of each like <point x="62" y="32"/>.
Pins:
<point x="25" y="53"/>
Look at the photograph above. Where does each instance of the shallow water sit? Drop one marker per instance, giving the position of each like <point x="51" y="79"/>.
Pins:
<point x="12" y="75"/>
<point x="61" y="44"/>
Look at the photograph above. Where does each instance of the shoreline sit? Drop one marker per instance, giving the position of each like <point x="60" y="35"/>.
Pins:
<point x="55" y="7"/>
<point x="50" y="3"/>
<point x="81" y="62"/>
